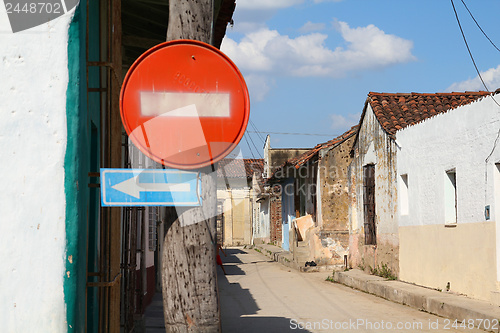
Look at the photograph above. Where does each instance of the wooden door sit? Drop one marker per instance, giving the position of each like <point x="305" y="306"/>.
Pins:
<point x="369" y="204"/>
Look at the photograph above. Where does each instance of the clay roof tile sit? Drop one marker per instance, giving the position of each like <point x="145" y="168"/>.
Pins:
<point x="397" y="111"/>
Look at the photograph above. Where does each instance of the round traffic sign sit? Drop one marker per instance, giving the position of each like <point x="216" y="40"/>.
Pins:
<point x="184" y="104"/>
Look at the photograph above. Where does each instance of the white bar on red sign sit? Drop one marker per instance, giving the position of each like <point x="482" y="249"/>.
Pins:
<point x="181" y="104"/>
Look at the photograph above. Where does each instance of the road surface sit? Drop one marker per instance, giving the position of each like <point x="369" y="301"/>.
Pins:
<point x="259" y="295"/>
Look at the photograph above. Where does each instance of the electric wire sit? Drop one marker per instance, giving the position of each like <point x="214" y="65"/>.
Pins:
<point x="484" y="33"/>
<point x="253" y="143"/>
<point x="471" y="56"/>
<point x="284" y="133"/>
<point x="257" y="131"/>
<point x="467" y="46"/>
<point x="248" y="144"/>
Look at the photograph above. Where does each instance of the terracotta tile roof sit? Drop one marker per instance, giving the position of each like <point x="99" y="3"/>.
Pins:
<point x="397" y="111"/>
<point x="302" y="159"/>
<point x="239" y="168"/>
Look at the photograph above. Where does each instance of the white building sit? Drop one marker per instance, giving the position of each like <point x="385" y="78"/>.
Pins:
<point x="448" y="170"/>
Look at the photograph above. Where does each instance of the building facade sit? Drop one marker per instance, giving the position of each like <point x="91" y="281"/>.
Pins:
<point x="377" y="192"/>
<point x="448" y="202"/>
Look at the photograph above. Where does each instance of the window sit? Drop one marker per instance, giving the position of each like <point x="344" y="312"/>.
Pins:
<point x="369" y="204"/>
<point x="403" y="195"/>
<point x="450" y="197"/>
<point x="496" y="178"/>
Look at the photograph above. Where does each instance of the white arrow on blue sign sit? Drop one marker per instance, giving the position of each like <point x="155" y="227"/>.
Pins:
<point x="150" y="187"/>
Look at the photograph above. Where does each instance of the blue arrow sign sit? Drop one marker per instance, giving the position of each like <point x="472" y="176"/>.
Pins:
<point x="150" y="187"/>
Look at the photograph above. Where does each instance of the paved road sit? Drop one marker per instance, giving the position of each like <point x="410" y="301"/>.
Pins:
<point x="259" y="295"/>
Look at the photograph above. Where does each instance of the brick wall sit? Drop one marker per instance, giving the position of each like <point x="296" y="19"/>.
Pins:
<point x="275" y="212"/>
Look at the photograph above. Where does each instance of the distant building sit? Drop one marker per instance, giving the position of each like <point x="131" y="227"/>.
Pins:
<point x="314" y="195"/>
<point x="236" y="200"/>
<point x="271" y="200"/>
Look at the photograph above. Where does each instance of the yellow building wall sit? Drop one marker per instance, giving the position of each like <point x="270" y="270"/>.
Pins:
<point x="463" y="256"/>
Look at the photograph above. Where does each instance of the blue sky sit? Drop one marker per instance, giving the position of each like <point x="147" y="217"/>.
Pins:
<point x="309" y="64"/>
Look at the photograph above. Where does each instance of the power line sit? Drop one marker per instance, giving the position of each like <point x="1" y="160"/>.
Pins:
<point x="250" y="148"/>
<point x="484" y="33"/>
<point x="467" y="45"/>
<point x="253" y="143"/>
<point x="472" y="57"/>
<point x="282" y="133"/>
<point x="257" y="131"/>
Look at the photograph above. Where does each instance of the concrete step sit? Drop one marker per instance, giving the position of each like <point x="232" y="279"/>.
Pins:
<point x="303" y="245"/>
<point x="302" y="251"/>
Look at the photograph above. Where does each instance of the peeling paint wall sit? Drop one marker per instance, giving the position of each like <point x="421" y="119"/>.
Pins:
<point x="334" y="188"/>
<point x="333" y="200"/>
<point x="374" y="146"/>
<point x="237" y="210"/>
<point x="261" y="230"/>
<point x="465" y="253"/>
<point x="275" y="219"/>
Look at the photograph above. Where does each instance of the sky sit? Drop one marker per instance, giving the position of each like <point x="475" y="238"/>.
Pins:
<point x="310" y="64"/>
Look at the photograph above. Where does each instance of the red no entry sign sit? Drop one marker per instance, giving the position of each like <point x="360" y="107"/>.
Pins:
<point x="184" y="104"/>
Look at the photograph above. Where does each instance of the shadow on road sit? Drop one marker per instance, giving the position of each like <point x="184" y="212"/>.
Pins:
<point x="238" y="308"/>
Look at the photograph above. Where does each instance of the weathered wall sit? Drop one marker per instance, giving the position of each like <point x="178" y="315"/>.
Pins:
<point x="273" y="158"/>
<point x="275" y="219"/>
<point x="34" y="72"/>
<point x="374" y="146"/>
<point x="262" y="230"/>
<point x="237" y="210"/>
<point x="334" y="187"/>
<point x="332" y="216"/>
<point x="465" y="253"/>
<point x="261" y="219"/>
<point x="277" y="157"/>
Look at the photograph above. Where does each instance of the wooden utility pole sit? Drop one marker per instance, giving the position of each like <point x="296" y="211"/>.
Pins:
<point x="189" y="276"/>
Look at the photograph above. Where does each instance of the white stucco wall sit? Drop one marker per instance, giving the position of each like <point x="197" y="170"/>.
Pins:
<point x="464" y="254"/>
<point x="33" y="83"/>
<point x="460" y="139"/>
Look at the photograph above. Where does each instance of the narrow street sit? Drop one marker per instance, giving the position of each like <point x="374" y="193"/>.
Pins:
<point x="259" y="295"/>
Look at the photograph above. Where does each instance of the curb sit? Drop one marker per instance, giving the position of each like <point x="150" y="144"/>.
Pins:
<point x="484" y="315"/>
<point x="286" y="259"/>
<point x="283" y="257"/>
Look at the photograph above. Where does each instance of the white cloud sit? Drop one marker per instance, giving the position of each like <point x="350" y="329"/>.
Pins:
<point x="310" y="27"/>
<point x="307" y="55"/>
<point x="258" y="86"/>
<point x="491" y="78"/>
<point x="343" y="123"/>
<point x="248" y="54"/>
